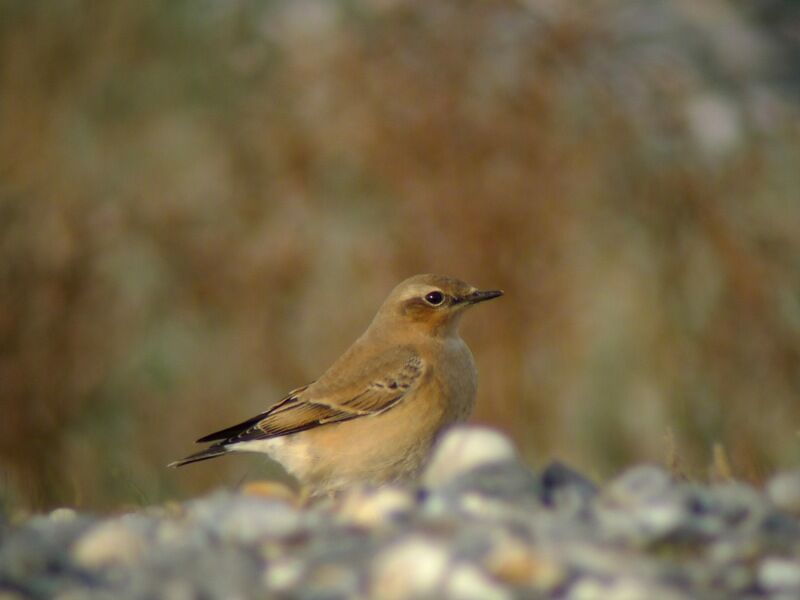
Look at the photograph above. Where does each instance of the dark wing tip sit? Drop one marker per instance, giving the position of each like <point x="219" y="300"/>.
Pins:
<point x="212" y="452"/>
<point x="230" y="432"/>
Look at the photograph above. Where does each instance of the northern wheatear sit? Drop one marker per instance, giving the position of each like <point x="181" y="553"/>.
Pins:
<point x="374" y="414"/>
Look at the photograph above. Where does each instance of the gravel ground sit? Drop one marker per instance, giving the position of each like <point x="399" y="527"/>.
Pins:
<point x="480" y="525"/>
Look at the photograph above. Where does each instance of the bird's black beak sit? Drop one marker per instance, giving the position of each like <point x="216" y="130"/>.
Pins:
<point x="482" y="296"/>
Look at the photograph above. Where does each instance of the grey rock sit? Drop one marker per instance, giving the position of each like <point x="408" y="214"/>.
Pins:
<point x="784" y="491"/>
<point x="107" y="544"/>
<point x="375" y="507"/>
<point x="40" y="547"/>
<point x="638" y="486"/>
<point x="467" y="582"/>
<point x="622" y="589"/>
<point x="780" y="574"/>
<point x="414" y="567"/>
<point x="462" y="449"/>
<point x="565" y="488"/>
<point x="485" y="528"/>
<point x="476" y="472"/>
<point x="642" y="506"/>
<point x="508" y="483"/>
<point x="244" y="519"/>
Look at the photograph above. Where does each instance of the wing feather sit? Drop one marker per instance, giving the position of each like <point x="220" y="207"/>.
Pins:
<point x="314" y="406"/>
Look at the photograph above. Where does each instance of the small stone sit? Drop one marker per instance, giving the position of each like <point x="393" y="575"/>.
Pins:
<point x="68" y="595"/>
<point x="172" y="532"/>
<point x="621" y="589"/>
<point x="641" y="506"/>
<point x="512" y="561"/>
<point x="563" y="487"/>
<point x="662" y="518"/>
<point x="272" y="490"/>
<point x="413" y="568"/>
<point x="740" y="505"/>
<point x="467" y="582"/>
<point x="465" y="448"/>
<point x="244" y="519"/>
<point x="780" y="574"/>
<point x="331" y="580"/>
<point x="62" y="515"/>
<point x="177" y="589"/>
<point x="173" y="508"/>
<point x="509" y="482"/>
<point x="784" y="491"/>
<point x="375" y="507"/>
<point x="737" y="578"/>
<point x="728" y="550"/>
<point x="639" y="485"/>
<point x="110" y="543"/>
<point x="284" y="573"/>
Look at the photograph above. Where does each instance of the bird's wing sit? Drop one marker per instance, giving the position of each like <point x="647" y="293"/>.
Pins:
<point x="228" y="432"/>
<point x="380" y="386"/>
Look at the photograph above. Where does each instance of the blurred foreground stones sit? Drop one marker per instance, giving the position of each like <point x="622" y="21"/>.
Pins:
<point x="486" y="528"/>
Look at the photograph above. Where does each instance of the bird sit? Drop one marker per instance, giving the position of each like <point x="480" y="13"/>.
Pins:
<point x="374" y="415"/>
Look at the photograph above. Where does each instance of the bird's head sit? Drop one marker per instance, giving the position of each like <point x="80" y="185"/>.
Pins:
<point x="432" y="303"/>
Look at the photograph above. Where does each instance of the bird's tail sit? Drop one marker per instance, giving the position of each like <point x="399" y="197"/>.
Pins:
<point x="212" y="452"/>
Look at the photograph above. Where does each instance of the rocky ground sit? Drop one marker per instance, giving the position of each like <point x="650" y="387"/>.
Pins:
<point x="480" y="525"/>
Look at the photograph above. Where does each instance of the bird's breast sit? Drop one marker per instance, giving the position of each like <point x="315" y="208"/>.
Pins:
<point x="458" y="380"/>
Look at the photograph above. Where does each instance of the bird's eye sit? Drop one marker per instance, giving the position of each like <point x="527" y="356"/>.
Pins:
<point x="434" y="298"/>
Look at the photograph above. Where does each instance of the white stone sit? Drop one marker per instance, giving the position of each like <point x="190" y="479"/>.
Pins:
<point x="108" y="544"/>
<point x="467" y="582"/>
<point x="464" y="448"/>
<point x="784" y="491"/>
<point x="715" y="123"/>
<point x="621" y="589"/>
<point x="62" y="515"/>
<point x="372" y="508"/>
<point x="284" y="573"/>
<point x="415" y="567"/>
<point x="779" y="574"/>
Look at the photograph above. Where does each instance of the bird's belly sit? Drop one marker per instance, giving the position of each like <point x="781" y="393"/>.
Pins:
<point x="391" y="446"/>
<point x="381" y="448"/>
<point x="291" y="451"/>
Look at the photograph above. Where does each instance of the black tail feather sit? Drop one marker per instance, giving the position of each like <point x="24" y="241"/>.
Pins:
<point x="229" y="432"/>
<point x="211" y="452"/>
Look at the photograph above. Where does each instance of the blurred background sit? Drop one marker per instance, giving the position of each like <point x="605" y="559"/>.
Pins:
<point x="202" y="203"/>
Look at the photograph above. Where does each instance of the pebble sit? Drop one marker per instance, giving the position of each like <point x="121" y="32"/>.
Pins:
<point x="462" y="450"/>
<point x="271" y="490"/>
<point x="780" y="574"/>
<point x="412" y="568"/>
<point x="482" y="525"/>
<point x="245" y="518"/>
<point x="374" y="507"/>
<point x="627" y="589"/>
<point x="564" y="488"/>
<point x="110" y="543"/>
<point x="468" y="582"/>
<point x="513" y="561"/>
<point x="638" y="486"/>
<point x="283" y="574"/>
<point x="63" y="515"/>
<point x="784" y="491"/>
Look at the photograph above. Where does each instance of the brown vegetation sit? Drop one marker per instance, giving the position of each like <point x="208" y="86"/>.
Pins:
<point x="201" y="204"/>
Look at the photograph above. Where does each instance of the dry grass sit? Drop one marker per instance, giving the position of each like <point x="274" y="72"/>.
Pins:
<point x="201" y="204"/>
